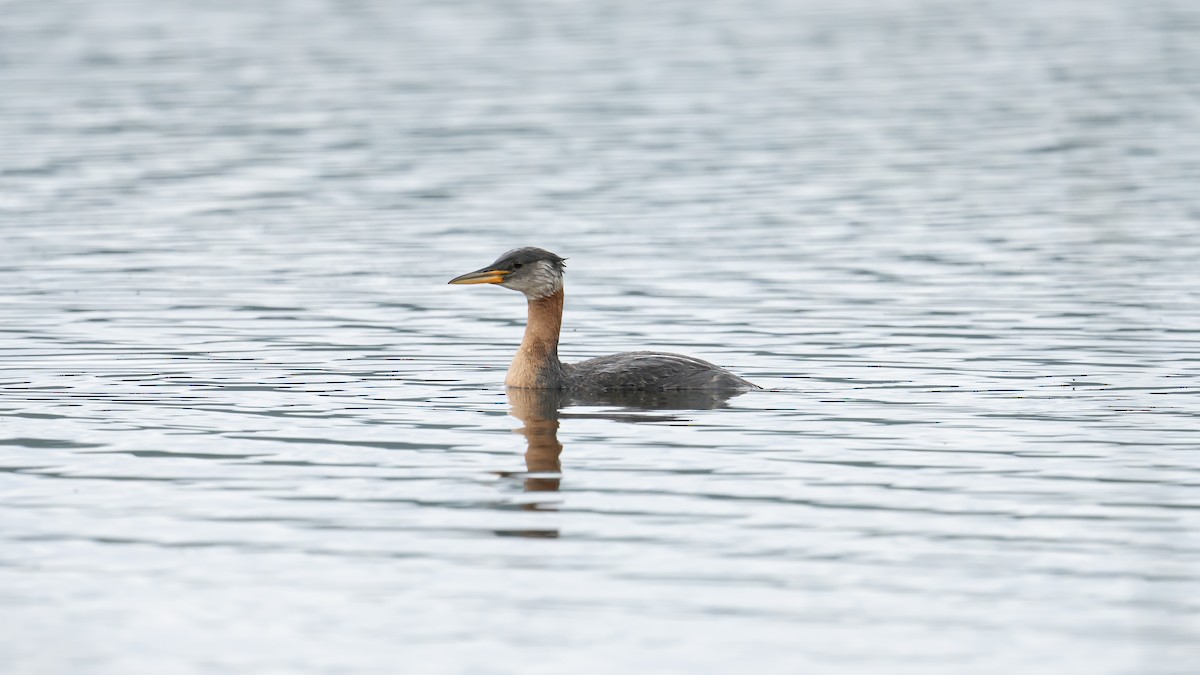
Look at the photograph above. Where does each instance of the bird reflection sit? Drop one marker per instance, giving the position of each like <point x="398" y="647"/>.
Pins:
<point x="540" y="410"/>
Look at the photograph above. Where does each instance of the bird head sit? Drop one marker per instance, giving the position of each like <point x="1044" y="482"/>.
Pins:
<point x="533" y="271"/>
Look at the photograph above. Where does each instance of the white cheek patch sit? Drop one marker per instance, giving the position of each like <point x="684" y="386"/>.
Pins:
<point x="540" y="281"/>
<point x="544" y="281"/>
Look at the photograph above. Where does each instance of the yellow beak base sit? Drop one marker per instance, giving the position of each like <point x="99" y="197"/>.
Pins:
<point x="481" y="277"/>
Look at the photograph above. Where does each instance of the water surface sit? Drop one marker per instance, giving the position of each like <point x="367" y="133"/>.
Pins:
<point x="245" y="426"/>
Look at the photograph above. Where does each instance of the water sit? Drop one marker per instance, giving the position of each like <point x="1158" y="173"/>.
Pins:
<point x="246" y="427"/>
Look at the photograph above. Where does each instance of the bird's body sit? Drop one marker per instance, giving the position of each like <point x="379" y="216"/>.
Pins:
<point x="651" y="371"/>
<point x="538" y="274"/>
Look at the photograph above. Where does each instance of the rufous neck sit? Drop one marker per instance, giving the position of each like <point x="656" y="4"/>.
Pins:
<point x="544" y="326"/>
<point x="536" y="364"/>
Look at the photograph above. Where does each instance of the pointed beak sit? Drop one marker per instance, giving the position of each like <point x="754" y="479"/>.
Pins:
<point x="483" y="276"/>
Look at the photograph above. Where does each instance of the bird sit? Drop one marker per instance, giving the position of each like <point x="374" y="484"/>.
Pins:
<point x="538" y="274"/>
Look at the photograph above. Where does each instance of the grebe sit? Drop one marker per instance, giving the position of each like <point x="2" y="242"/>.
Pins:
<point x="539" y="275"/>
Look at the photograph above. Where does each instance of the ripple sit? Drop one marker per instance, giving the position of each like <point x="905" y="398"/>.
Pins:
<point x="957" y="248"/>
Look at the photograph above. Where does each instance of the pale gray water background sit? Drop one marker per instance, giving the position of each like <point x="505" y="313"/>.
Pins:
<point x="247" y="428"/>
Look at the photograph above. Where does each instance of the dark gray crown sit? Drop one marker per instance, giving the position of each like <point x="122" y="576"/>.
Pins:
<point x="519" y="257"/>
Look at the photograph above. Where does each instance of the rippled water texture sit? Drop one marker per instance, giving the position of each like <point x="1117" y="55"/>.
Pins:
<point x="245" y="427"/>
